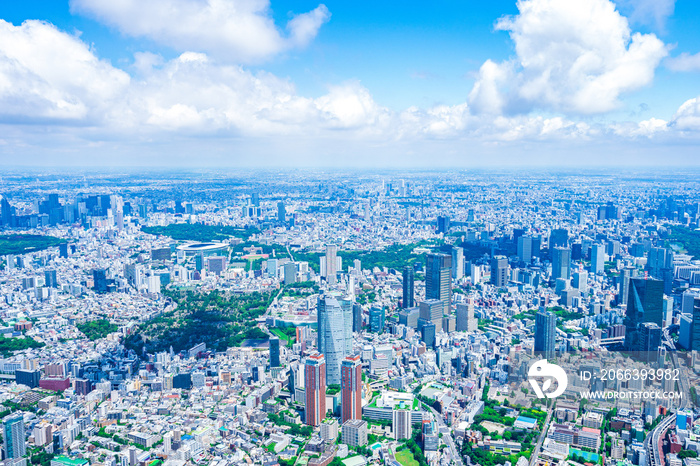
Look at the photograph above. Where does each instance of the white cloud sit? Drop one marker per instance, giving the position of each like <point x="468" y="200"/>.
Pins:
<point x="571" y="57"/>
<point x="47" y="74"/>
<point x="687" y="117"/>
<point x="233" y="30"/>
<point x="684" y="62"/>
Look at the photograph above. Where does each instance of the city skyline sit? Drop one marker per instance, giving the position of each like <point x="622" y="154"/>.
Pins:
<point x="326" y="84"/>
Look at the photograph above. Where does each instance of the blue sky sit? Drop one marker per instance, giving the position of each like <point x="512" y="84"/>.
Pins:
<point x="247" y="82"/>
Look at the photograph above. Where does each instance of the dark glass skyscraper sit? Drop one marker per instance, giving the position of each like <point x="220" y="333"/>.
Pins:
<point x="644" y="304"/>
<point x="408" y="291"/>
<point x="274" y="352"/>
<point x="438" y="279"/>
<point x="545" y="333"/>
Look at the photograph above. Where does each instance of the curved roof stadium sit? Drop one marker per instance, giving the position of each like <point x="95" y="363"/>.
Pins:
<point x="191" y="249"/>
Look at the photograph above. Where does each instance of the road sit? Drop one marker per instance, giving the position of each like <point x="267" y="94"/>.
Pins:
<point x="653" y="441"/>
<point x="543" y="434"/>
<point x="446" y="436"/>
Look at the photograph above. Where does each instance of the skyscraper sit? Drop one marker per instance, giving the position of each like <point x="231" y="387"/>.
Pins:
<point x="432" y="310"/>
<point x="597" y="259"/>
<point x="561" y="263"/>
<point x="457" y="263"/>
<point x="331" y="263"/>
<point x="274" y="352"/>
<point x="50" y="278"/>
<point x="438" y="279"/>
<point x="644" y="304"/>
<point x="443" y="224"/>
<point x="649" y="341"/>
<point x="99" y="278"/>
<point x="559" y="238"/>
<point x="356" y="317"/>
<point x="499" y="271"/>
<point x="525" y="249"/>
<point x="351" y="388"/>
<point x="376" y="319"/>
<point x="315" y="389"/>
<point x="13" y="434"/>
<point x="625" y="275"/>
<point x="334" y="334"/>
<point x="408" y="292"/>
<point x="466" y="322"/>
<point x="428" y="334"/>
<point x="281" y="212"/>
<point x="545" y="333"/>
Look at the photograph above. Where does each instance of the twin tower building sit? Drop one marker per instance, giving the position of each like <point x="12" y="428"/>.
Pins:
<point x="334" y="363"/>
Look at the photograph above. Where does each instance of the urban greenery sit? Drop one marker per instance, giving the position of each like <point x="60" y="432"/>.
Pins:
<point x="22" y="244"/>
<point x="199" y="232"/>
<point x="688" y="238"/>
<point x="9" y="345"/>
<point x="215" y="318"/>
<point x="96" y="329"/>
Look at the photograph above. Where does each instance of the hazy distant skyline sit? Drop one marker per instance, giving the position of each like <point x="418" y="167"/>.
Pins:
<point x="251" y="83"/>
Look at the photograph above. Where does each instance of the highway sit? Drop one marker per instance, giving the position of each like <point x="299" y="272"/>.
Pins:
<point x="653" y="441"/>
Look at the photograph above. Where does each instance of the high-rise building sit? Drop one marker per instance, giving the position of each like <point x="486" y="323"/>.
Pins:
<point x="561" y="263"/>
<point x="315" y="389"/>
<point x="401" y="423"/>
<point x="281" y="212"/>
<point x="457" y="263"/>
<point x="351" y="388"/>
<point x="274" y="352"/>
<point x="409" y="317"/>
<point x="376" y="319"/>
<point x="597" y="259"/>
<point x="356" y="317"/>
<point x="99" y="278"/>
<point x="466" y="322"/>
<point x="525" y="249"/>
<point x="432" y="310"/>
<point x="428" y="334"/>
<point x="545" y="333"/>
<point x="624" y="285"/>
<point x="443" y="224"/>
<point x="580" y="281"/>
<point x="408" y="291"/>
<point x="13" y="433"/>
<point x="644" y="304"/>
<point x="355" y="433"/>
<point x="656" y="261"/>
<point x="499" y="271"/>
<point x="50" y="278"/>
<point x="559" y="237"/>
<point x="438" y="279"/>
<point x="649" y="341"/>
<point x="331" y="263"/>
<point x="334" y="334"/>
<point x="290" y="273"/>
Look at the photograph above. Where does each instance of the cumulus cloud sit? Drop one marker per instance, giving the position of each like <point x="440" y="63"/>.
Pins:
<point x="684" y="62"/>
<point x="235" y="30"/>
<point x="687" y="117"/>
<point x="46" y="74"/>
<point x="571" y="57"/>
